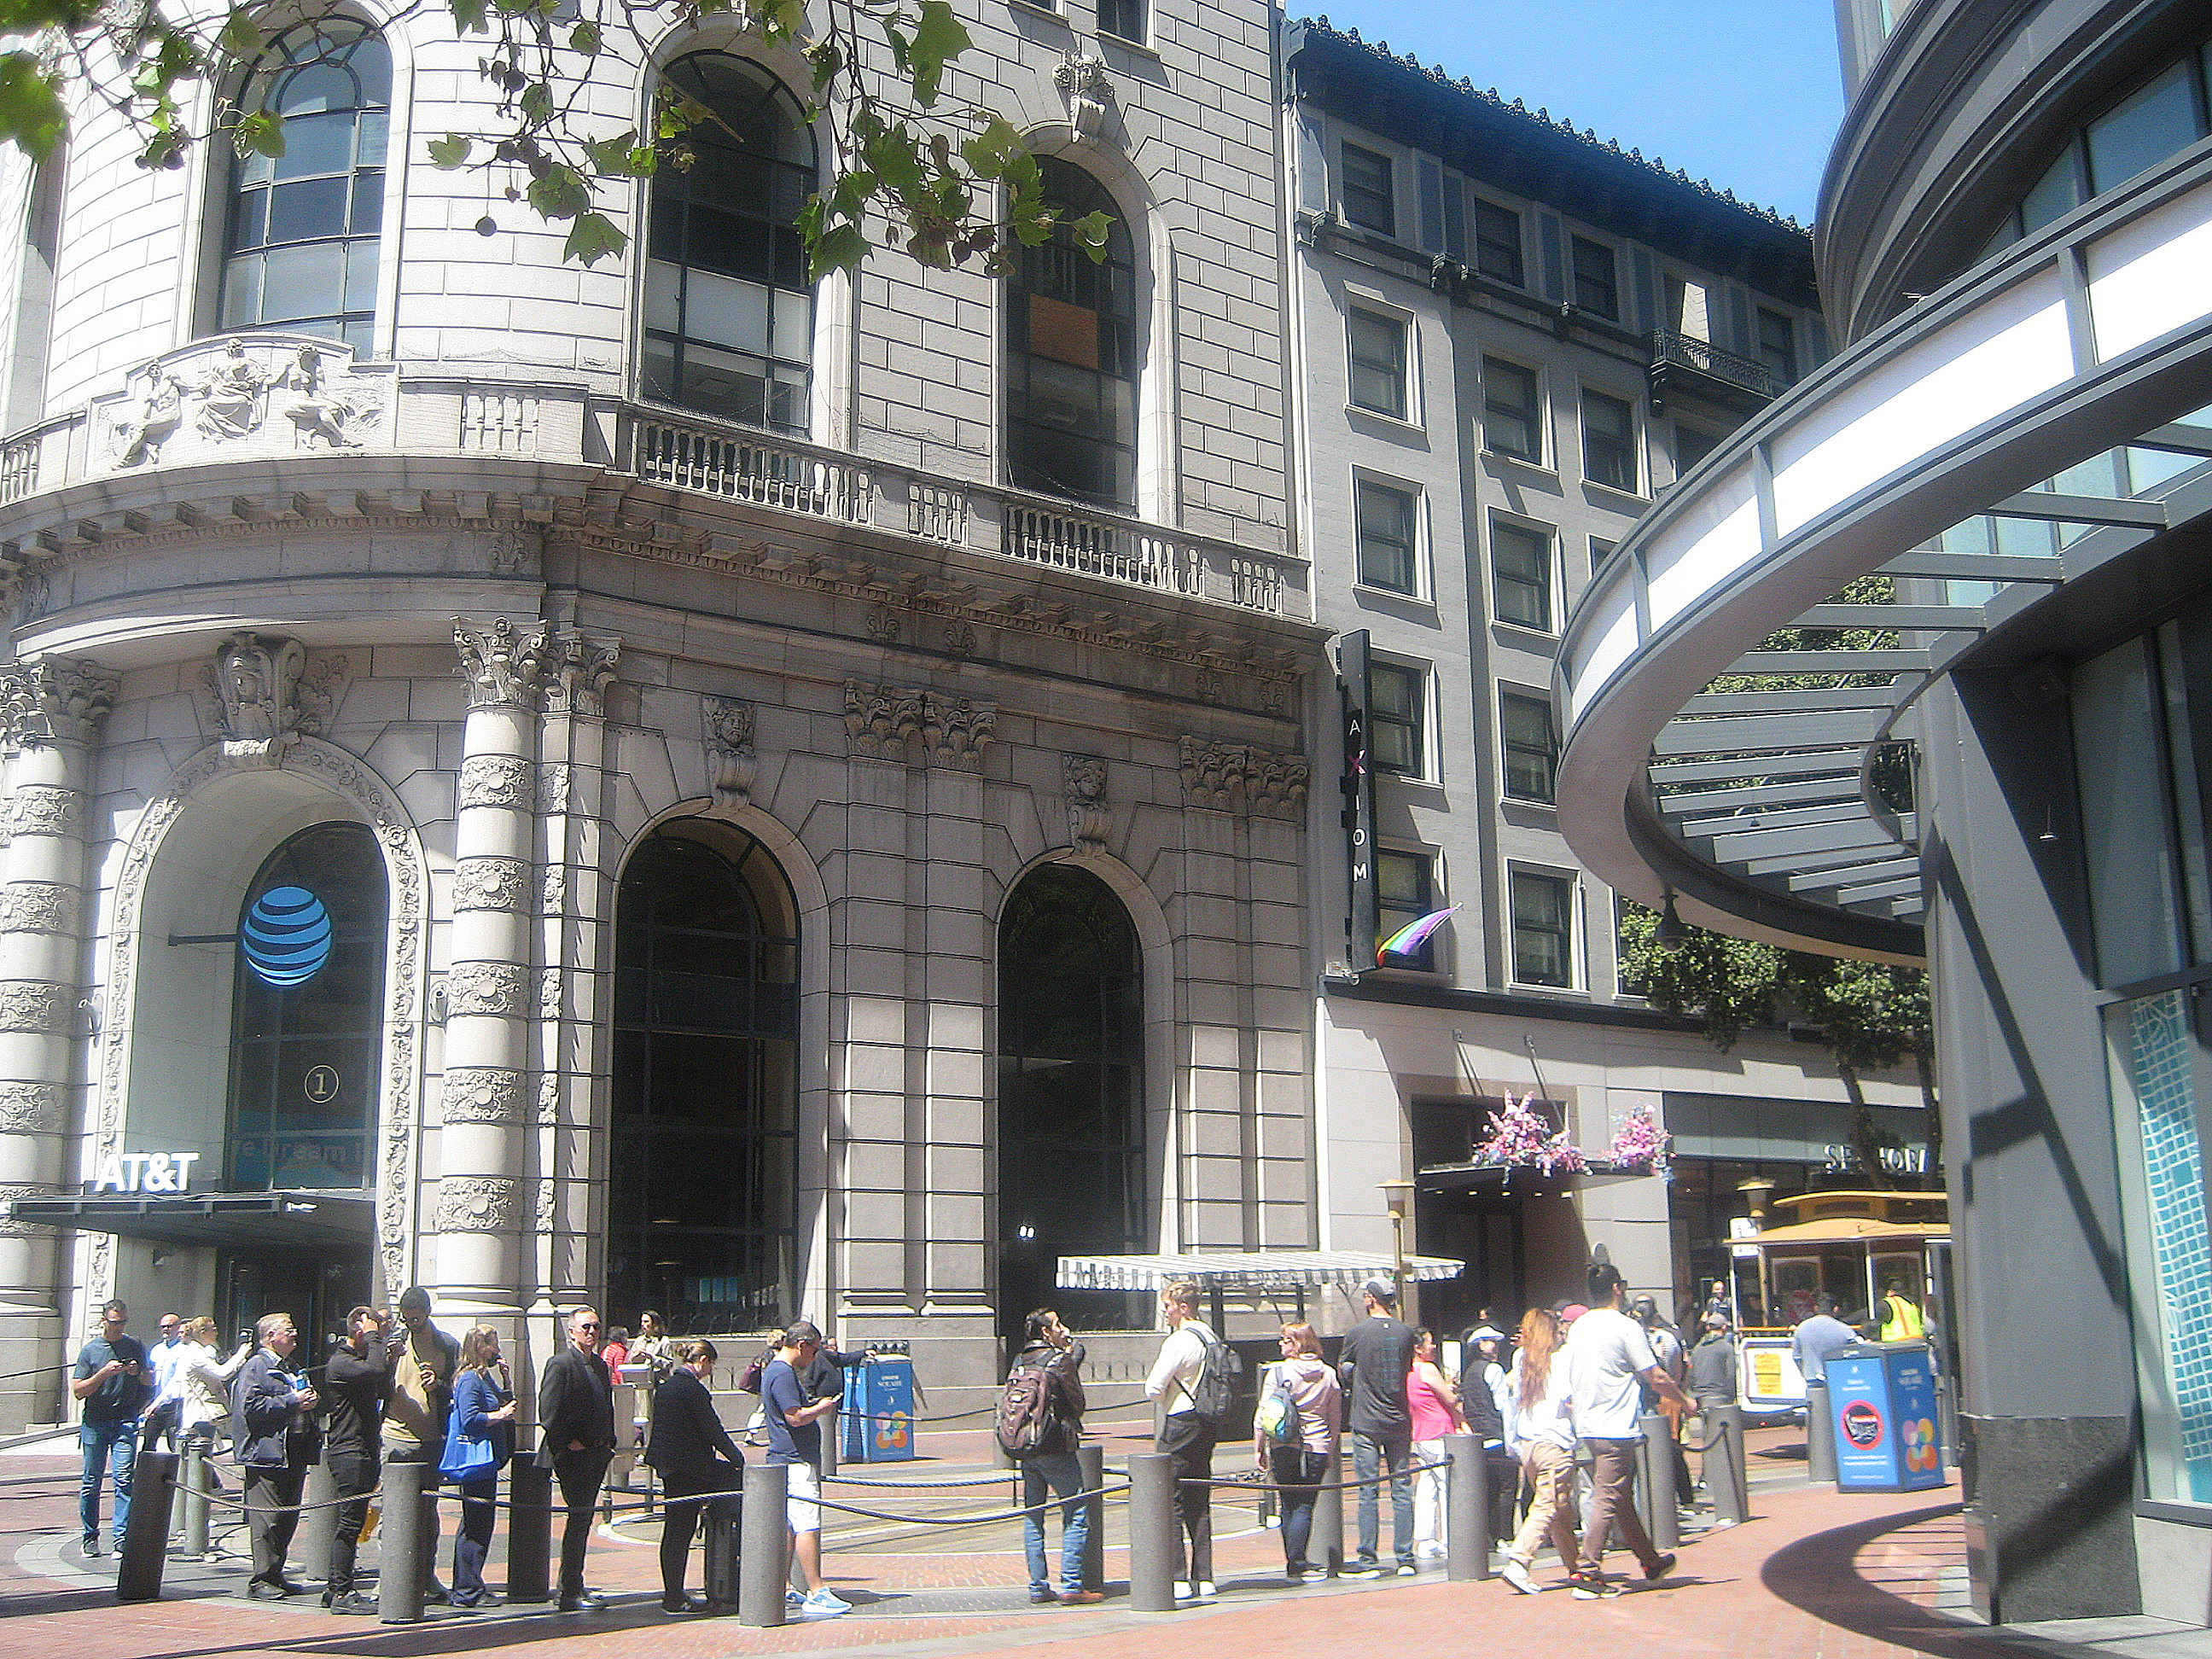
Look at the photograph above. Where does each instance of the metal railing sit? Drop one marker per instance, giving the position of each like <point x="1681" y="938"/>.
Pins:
<point x="1687" y="351"/>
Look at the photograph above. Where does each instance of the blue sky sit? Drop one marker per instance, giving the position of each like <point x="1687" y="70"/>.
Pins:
<point x="1745" y="93"/>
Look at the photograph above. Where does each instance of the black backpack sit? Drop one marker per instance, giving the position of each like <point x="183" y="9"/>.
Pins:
<point x="1214" y="1398"/>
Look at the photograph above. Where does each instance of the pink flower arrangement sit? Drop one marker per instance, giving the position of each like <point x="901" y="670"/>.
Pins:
<point x="1639" y="1143"/>
<point x="1518" y="1136"/>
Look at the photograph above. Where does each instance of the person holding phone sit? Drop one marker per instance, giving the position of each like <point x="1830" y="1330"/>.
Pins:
<point x="111" y="1379"/>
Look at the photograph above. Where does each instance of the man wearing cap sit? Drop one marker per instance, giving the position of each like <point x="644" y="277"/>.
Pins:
<point x="1377" y="1353"/>
<point x="1610" y="1363"/>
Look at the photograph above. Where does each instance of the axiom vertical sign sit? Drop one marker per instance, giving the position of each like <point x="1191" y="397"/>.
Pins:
<point x="1361" y="919"/>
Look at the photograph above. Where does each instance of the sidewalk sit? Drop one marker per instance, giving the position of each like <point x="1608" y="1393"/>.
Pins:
<point x="1814" y="1575"/>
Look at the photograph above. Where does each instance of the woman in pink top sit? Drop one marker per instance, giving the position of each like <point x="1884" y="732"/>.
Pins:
<point x="1434" y="1402"/>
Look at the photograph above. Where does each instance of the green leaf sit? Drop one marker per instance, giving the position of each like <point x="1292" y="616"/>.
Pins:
<point x="559" y="193"/>
<point x="259" y="132"/>
<point x="470" y="16"/>
<point x="31" y="112"/>
<point x="1092" y="230"/>
<point x="939" y="38"/>
<point x="592" y="238"/>
<point x="450" y="151"/>
<point x="840" y="249"/>
<point x="585" y="38"/>
<point x="241" y="36"/>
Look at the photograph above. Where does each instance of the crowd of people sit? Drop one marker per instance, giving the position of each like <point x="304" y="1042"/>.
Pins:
<point x="1557" y="1406"/>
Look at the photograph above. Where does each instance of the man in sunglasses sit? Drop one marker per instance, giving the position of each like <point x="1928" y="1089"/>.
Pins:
<point x="576" y="1413"/>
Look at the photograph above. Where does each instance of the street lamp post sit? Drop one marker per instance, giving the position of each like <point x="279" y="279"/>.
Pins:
<point x="1398" y="1199"/>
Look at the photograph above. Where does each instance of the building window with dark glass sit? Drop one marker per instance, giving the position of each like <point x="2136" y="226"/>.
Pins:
<point x="1397" y="718"/>
<point x="1497" y="242"/>
<point x="1388" y="537"/>
<point x="1511" y="419"/>
<point x="1597" y="287"/>
<point x="1074" y="352"/>
<point x="1404" y="891"/>
<point x="729" y="313"/>
<point x="1125" y="20"/>
<point x="1521" y="575"/>
<point x="1532" y="753"/>
<point x="1777" y="345"/>
<point x="1379" y="363"/>
<point x="300" y="243"/>
<point x="1366" y="191"/>
<point x="1609" y="441"/>
<point x="307" y="1014"/>
<point x="1543" y="928"/>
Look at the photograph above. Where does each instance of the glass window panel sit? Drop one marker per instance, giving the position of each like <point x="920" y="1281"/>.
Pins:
<point x="2126" y="827"/>
<point x="316" y="144"/>
<point x="1597" y="286"/>
<point x="371" y="134"/>
<point x="302" y="281"/>
<point x="1379" y="363"/>
<point x="1510" y="422"/>
<point x="663" y="282"/>
<point x="2055" y="195"/>
<point x="1525" y="731"/>
<point x="1521" y="575"/>
<point x="1609" y="441"/>
<point x="310" y="208"/>
<point x="1387" y="530"/>
<point x="1543" y="929"/>
<point x="2144" y="129"/>
<point x="1397" y="708"/>
<point x="368" y="214"/>
<point x="793" y="325"/>
<point x="1404" y="892"/>
<point x="1369" y="197"/>
<point x="727" y="312"/>
<point x="241" y="292"/>
<point x="250" y="219"/>
<point x="1497" y="242"/>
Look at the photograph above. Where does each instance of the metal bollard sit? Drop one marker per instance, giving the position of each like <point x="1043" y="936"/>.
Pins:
<point x="1466" y="1509"/>
<point x="1947" y="1420"/>
<point x="399" y="1580"/>
<point x="195" y="1486"/>
<point x="1654" y="1492"/>
<point x="146" y="1542"/>
<point x="529" y="1532"/>
<point x="761" y="1565"/>
<point x="1155" y="1546"/>
<point x="319" y="1524"/>
<point x="1326" y="1548"/>
<point x="1091" y="1460"/>
<point x="1727" y="1481"/>
<point x="829" y="1426"/>
<point x="1820" y="1431"/>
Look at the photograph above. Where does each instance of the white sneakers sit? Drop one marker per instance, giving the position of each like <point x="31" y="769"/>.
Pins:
<point x="817" y="1604"/>
<point x="1189" y="1592"/>
<point x="1517" y="1575"/>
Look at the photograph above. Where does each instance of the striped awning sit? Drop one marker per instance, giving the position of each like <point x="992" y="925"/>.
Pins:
<point x="1245" y="1269"/>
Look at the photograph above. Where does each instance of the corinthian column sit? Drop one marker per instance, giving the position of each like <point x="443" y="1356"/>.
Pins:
<point x="54" y="711"/>
<point x="481" y="1188"/>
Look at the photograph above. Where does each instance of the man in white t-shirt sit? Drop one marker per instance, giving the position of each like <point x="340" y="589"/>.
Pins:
<point x="1184" y="1435"/>
<point x="1611" y="1363"/>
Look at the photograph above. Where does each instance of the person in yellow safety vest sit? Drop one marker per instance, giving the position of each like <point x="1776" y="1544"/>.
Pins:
<point x="1900" y="1318"/>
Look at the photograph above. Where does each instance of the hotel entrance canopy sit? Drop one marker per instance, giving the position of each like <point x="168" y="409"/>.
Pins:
<point x="1261" y="1271"/>
<point x="1762" y="803"/>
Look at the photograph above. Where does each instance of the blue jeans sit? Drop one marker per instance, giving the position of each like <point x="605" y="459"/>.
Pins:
<point x="1371" y="1454"/>
<point x="1060" y="1471"/>
<point x="1299" y="1474"/>
<point x="110" y="1448"/>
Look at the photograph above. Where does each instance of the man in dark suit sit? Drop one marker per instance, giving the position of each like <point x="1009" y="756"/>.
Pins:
<point x="693" y="1453"/>
<point x="576" y="1414"/>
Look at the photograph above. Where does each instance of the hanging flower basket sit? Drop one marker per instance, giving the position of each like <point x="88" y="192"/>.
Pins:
<point x="1639" y="1147"/>
<point x="1519" y="1139"/>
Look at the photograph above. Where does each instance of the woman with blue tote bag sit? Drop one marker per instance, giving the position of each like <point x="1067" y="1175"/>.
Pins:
<point x="479" y="1439"/>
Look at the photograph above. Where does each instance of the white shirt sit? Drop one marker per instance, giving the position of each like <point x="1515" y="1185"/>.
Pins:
<point x="167" y="1361"/>
<point x="1605" y="1349"/>
<point x="1550" y="1419"/>
<point x="1173" y="1376"/>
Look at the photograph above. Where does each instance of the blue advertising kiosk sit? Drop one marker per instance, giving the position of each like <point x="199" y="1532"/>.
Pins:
<point x="877" y="1420"/>
<point x="1882" y="1397"/>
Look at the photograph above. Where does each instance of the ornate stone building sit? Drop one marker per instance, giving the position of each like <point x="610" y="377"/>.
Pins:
<point x="668" y="783"/>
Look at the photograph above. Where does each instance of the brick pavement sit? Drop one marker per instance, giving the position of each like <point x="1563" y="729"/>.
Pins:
<point x="1816" y="1575"/>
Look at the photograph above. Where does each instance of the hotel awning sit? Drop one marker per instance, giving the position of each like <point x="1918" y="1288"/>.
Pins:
<point x="1246" y="1270"/>
<point x="244" y="1221"/>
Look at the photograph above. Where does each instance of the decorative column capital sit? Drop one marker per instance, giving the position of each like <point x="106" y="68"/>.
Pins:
<point x="582" y="670"/>
<point x="47" y="701"/>
<point x="504" y="666"/>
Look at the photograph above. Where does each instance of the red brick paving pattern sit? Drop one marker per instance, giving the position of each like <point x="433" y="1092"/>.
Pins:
<point x="1819" y="1575"/>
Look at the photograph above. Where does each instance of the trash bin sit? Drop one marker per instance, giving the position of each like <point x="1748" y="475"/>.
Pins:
<point x="876" y="1423"/>
<point x="1881" y="1400"/>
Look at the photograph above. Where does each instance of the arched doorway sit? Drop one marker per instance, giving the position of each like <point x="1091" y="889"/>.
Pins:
<point x="1070" y="1096"/>
<point x="703" y="1183"/>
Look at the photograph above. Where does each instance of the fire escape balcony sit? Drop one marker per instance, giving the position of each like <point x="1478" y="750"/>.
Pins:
<point x="1705" y="371"/>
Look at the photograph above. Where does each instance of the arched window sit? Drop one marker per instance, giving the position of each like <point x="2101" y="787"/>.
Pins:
<point x="307" y="1014"/>
<point x="729" y="315"/>
<point x="1073" y="351"/>
<point x="299" y="246"/>
<point x="1071" y="1095"/>
<point x="705" y="1094"/>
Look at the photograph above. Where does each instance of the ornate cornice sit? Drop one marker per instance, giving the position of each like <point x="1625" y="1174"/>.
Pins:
<point x="504" y="665"/>
<point x="580" y="671"/>
<point x="1237" y="777"/>
<point x="882" y="722"/>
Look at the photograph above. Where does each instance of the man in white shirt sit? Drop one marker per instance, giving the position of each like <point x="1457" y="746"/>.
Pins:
<point x="166" y="1359"/>
<point x="1611" y="1363"/>
<point x="1184" y="1435"/>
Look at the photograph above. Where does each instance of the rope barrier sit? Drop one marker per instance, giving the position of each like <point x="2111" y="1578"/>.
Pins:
<point x="968" y="1520"/>
<point x="1255" y="1480"/>
<point x="980" y="1411"/>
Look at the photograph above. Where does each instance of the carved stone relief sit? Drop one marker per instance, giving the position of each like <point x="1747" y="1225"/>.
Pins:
<point x="959" y="730"/>
<point x="482" y="1094"/>
<point x="486" y="988"/>
<point x="479" y="1204"/>
<point x="8" y="1193"/>
<point x="40" y="907"/>
<point x="1086" y="803"/>
<point x="497" y="780"/>
<point x="582" y="669"/>
<point x="264" y="692"/>
<point x="731" y="765"/>
<point x="1237" y="777"/>
<point x="47" y="701"/>
<point x="882" y="720"/>
<point x="32" y="1108"/>
<point x="33" y="1004"/>
<point x="243" y="396"/>
<point x="39" y="808"/>
<point x="490" y="883"/>
<point x="502" y="665"/>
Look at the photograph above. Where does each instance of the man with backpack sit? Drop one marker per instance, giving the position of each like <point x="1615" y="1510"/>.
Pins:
<point x="1040" y="1424"/>
<point x="1188" y="1379"/>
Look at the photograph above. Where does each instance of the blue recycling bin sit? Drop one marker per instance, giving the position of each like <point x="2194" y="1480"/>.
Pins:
<point x="1882" y="1398"/>
<point x="876" y="1422"/>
